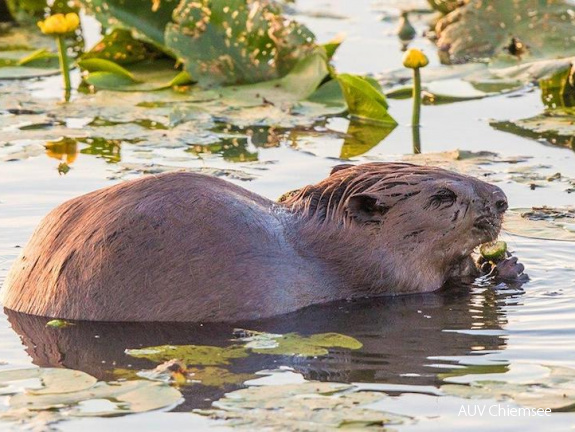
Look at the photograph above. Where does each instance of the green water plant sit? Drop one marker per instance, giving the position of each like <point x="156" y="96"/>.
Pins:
<point x="60" y="25"/>
<point x="415" y="59"/>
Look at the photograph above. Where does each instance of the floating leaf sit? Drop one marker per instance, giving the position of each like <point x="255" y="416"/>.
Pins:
<point x="198" y="355"/>
<point x="542" y="223"/>
<point x="300" y="83"/>
<point x="58" y="323"/>
<point x="217" y="377"/>
<point x="306" y="406"/>
<point x="484" y="28"/>
<point x="555" y="391"/>
<point x="120" y="47"/>
<point x="236" y="42"/>
<point x="296" y="345"/>
<point x="364" y="99"/>
<point x="125" y="397"/>
<point x="148" y="20"/>
<point x="52" y="381"/>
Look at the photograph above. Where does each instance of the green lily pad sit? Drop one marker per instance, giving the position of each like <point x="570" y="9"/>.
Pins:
<point x="558" y="90"/>
<point x="296" y="345"/>
<point x="217" y="377"/>
<point x="364" y="99"/>
<point x="120" y="47"/>
<point x="482" y="29"/>
<point x="58" y="323"/>
<point x="300" y="83"/>
<point x="236" y="42"/>
<point x="197" y="355"/>
<point x="147" y="20"/>
<point x="542" y="223"/>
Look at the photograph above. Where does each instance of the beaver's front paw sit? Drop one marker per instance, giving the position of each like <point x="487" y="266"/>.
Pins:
<point x="510" y="270"/>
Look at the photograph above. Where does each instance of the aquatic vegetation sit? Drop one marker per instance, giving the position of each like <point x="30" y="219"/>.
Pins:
<point x="556" y="390"/>
<point x="311" y="406"/>
<point x="59" y="25"/>
<point x="58" y="323"/>
<point x="197" y="355"/>
<point x="483" y="29"/>
<point x="50" y="395"/>
<point x="542" y="223"/>
<point x="294" y="344"/>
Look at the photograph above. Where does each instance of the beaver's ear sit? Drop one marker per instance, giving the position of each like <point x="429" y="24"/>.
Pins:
<point x="366" y="208"/>
<point x="340" y="167"/>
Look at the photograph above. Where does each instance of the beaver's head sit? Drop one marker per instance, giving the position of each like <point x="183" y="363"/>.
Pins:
<point x="421" y="216"/>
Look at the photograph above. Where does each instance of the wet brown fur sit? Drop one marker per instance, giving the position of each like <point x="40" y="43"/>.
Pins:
<point x="188" y="247"/>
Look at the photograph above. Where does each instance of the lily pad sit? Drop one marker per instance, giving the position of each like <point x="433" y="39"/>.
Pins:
<point x="120" y="47"/>
<point x="125" y="398"/>
<point x="296" y="345"/>
<point x="236" y="42"/>
<point x="147" y="20"/>
<point x="310" y="406"/>
<point x="481" y="29"/>
<point x="197" y="355"/>
<point x="217" y="377"/>
<point x="542" y="223"/>
<point x="555" y="391"/>
<point x="52" y="381"/>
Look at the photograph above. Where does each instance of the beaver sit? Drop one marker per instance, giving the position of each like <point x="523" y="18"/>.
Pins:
<point x="189" y="247"/>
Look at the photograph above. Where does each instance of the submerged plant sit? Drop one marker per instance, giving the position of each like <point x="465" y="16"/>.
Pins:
<point x="60" y="25"/>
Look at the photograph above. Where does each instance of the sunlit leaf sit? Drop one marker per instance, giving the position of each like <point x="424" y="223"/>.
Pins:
<point x="364" y="99"/>
<point x="197" y="355"/>
<point x="236" y="42"/>
<point x="102" y="65"/>
<point x="296" y="345"/>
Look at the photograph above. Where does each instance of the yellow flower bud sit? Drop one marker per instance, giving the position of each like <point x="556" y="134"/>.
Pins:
<point x="59" y="24"/>
<point x="414" y="59"/>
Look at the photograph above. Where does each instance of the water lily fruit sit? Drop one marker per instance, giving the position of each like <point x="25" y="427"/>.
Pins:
<point x="493" y="251"/>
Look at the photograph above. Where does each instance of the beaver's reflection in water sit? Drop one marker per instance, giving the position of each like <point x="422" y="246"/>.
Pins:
<point x="402" y="338"/>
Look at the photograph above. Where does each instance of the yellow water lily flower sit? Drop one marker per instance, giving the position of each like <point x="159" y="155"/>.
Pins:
<point x="414" y="59"/>
<point x="58" y="24"/>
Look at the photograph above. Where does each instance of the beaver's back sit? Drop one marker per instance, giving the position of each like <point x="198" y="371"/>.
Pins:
<point x="146" y="250"/>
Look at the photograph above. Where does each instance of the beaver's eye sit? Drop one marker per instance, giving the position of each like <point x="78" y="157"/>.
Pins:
<point x="442" y="198"/>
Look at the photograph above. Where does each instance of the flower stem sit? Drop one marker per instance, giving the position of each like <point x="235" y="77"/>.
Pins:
<point x="64" y="66"/>
<point x="416" y="97"/>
